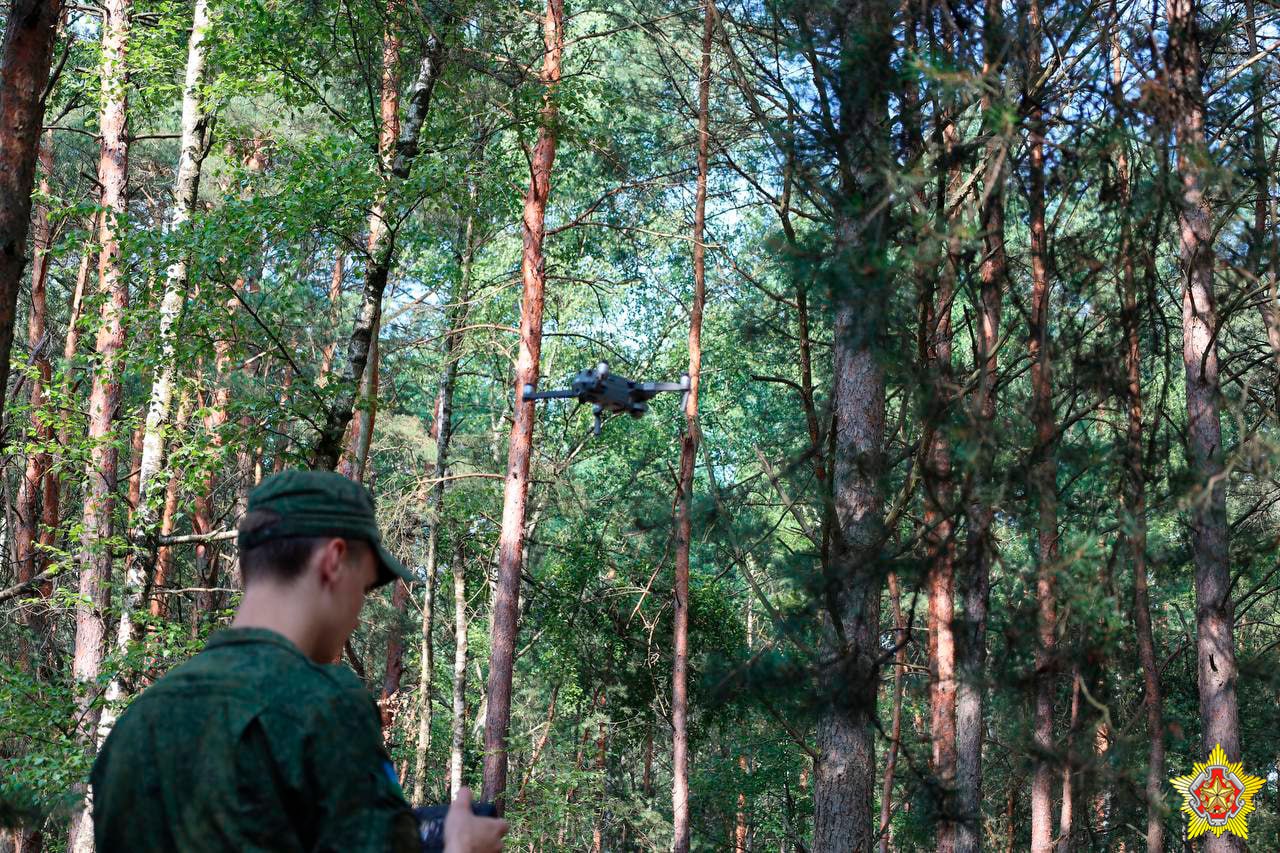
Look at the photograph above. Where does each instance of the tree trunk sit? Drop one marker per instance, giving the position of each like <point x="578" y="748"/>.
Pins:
<point x="382" y="238"/>
<point x="356" y="457"/>
<point x="541" y="744"/>
<point x="844" y="785"/>
<point x="936" y="342"/>
<point x="1259" y="238"/>
<point x="426" y="686"/>
<point x="1066" y="816"/>
<point x="1102" y="798"/>
<point x="688" y="457"/>
<point x="215" y="421"/>
<point x="1134" y="482"/>
<point x="164" y="553"/>
<point x="982" y="410"/>
<point x="335" y="306"/>
<point x="602" y="740"/>
<point x="357" y="452"/>
<point x="393" y="664"/>
<point x="194" y="145"/>
<point x="104" y="398"/>
<point x="36" y="478"/>
<point x="646" y="780"/>
<point x="75" y="310"/>
<point x="1044" y="469"/>
<point x="30" y="30"/>
<point x="1215" y="621"/>
<point x="442" y="430"/>
<point x="515" y="493"/>
<point x="458" y="731"/>
<point x="900" y="638"/>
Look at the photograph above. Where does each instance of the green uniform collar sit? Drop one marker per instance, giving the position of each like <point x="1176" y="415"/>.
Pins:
<point x="234" y="636"/>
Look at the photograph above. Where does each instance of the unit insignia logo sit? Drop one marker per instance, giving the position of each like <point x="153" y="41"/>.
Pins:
<point x="1217" y="796"/>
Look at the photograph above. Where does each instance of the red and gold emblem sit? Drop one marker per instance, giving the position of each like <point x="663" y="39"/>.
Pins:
<point x="1217" y="796"/>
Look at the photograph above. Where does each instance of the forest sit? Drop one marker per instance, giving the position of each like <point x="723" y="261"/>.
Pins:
<point x="965" y="534"/>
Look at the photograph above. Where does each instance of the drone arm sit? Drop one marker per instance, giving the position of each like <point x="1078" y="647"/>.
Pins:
<point x="655" y="387"/>
<point x="530" y="395"/>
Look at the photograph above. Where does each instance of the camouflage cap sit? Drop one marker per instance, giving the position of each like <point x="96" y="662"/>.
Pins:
<point x="319" y="503"/>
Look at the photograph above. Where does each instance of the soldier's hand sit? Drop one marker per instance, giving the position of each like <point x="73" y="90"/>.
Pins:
<point x="464" y="832"/>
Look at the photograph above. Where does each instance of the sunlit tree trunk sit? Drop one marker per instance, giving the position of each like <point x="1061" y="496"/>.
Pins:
<point x="688" y="456"/>
<point x="515" y="493"/>
<point x="458" y="730"/>
<point x="381" y="250"/>
<point x="939" y="509"/>
<point x="104" y="397"/>
<point x="75" y="313"/>
<point x="1215" y="618"/>
<point x="25" y="58"/>
<point x="194" y="145"/>
<point x="357" y="452"/>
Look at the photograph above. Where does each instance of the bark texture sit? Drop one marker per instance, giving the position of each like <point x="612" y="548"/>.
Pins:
<point x="34" y="486"/>
<point x="1043" y="473"/>
<point x="688" y="456"/>
<point x="381" y="251"/>
<point x="845" y="778"/>
<point x="104" y="397"/>
<point x="152" y="486"/>
<point x="1215" y="617"/>
<point x="533" y="274"/>
<point x="939" y="509"/>
<point x="25" y="57"/>
<point x="361" y="437"/>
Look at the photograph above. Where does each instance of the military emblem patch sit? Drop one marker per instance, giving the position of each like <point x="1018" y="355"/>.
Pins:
<point x="1217" y="796"/>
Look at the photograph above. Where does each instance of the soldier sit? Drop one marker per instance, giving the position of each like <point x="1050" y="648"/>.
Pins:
<point x="260" y="742"/>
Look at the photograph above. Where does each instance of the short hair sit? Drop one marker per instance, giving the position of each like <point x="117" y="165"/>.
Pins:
<point x="282" y="559"/>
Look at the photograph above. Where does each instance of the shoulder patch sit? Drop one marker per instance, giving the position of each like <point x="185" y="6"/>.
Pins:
<point x="390" y="770"/>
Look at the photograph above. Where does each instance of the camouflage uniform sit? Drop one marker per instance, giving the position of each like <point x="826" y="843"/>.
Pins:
<point x="250" y="746"/>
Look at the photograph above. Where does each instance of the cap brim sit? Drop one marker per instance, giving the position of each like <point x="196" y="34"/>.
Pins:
<point x="389" y="568"/>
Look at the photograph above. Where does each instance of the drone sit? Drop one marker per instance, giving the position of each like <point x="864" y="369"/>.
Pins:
<point x="607" y="392"/>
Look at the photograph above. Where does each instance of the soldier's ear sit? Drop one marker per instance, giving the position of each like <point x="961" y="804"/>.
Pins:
<point x="329" y="560"/>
